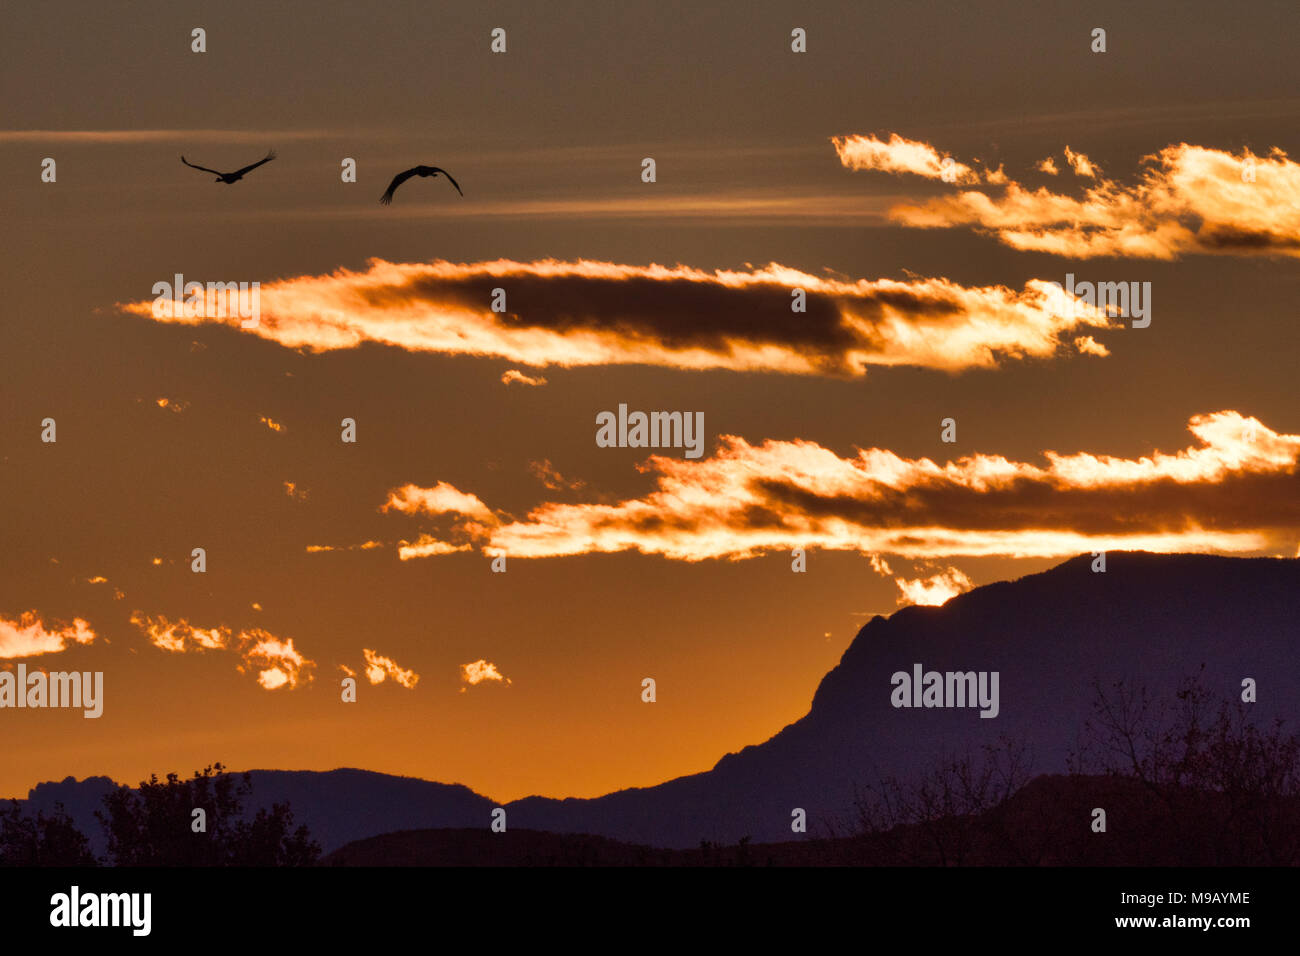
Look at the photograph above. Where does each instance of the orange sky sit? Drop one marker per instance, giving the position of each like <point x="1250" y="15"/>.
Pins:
<point x="779" y="175"/>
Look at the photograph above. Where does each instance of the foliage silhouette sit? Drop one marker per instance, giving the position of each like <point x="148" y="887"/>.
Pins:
<point x="154" y="825"/>
<point x="41" y="840"/>
<point x="1185" y="780"/>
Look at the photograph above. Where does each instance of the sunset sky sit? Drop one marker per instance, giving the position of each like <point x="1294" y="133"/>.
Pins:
<point x="1172" y="159"/>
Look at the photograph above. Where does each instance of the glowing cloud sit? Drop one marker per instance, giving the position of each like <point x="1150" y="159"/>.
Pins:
<point x="898" y="155"/>
<point x="1090" y="346"/>
<point x="514" y="375"/>
<point x="479" y="671"/>
<point x="30" y="636"/>
<point x="1233" y="491"/>
<point x="1081" y="165"/>
<point x="552" y="479"/>
<point x="426" y="546"/>
<point x="934" y="590"/>
<point x="378" y="668"/>
<point x="1188" y="199"/>
<point x="278" y="663"/>
<point x="598" y="313"/>
<point x="363" y="546"/>
<point x="441" y="499"/>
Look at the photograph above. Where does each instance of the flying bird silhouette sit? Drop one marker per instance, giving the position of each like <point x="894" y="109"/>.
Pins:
<point x="400" y="178"/>
<point x="236" y="175"/>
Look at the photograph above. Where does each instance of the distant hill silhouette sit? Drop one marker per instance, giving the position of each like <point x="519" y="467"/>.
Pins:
<point x="1149" y="619"/>
<point x="1045" y="824"/>
<point x="359" y="801"/>
<point x="336" y="806"/>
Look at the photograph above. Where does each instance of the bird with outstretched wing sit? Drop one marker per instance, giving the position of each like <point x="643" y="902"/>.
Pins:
<point x="237" y="174"/>
<point x="402" y="177"/>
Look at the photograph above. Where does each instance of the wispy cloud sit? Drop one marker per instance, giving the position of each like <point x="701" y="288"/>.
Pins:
<point x="30" y="636"/>
<point x="1234" y="490"/>
<point x="547" y="474"/>
<point x="514" y="375"/>
<point x="122" y="136"/>
<point x="601" y="313"/>
<point x="277" y="662"/>
<point x="783" y="206"/>
<point x="379" y="668"/>
<point x="1081" y="164"/>
<point x="427" y="546"/>
<point x="931" y="590"/>
<point x="363" y="546"/>
<point x="1187" y="200"/>
<point x="476" y="672"/>
<point x="899" y="155"/>
<point x="440" y="499"/>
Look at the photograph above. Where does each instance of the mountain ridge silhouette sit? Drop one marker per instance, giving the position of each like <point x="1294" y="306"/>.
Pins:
<point x="1151" y="620"/>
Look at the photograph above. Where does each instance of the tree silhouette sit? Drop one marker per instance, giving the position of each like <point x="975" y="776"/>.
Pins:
<point x="1216" y="774"/>
<point x="1187" y="779"/>
<point x="947" y="804"/>
<point x="41" y="840"/>
<point x="154" y="825"/>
